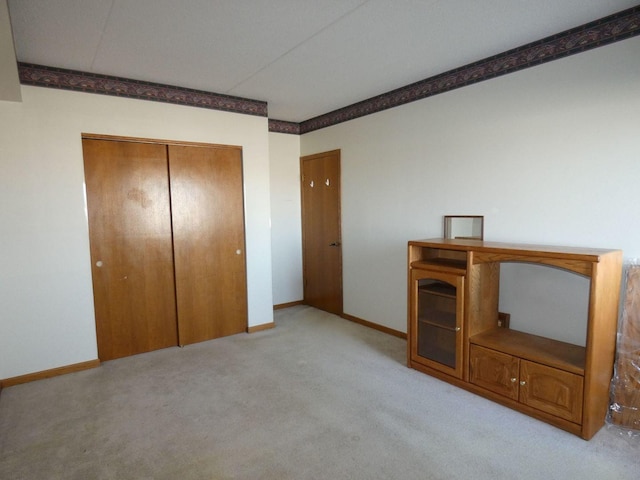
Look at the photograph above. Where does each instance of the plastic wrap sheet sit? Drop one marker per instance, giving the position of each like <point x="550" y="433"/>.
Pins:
<point x="624" y="410"/>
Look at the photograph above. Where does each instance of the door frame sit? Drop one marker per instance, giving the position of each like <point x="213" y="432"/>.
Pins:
<point x="118" y="138"/>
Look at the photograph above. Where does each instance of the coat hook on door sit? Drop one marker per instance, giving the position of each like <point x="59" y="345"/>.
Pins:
<point x="326" y="182"/>
<point x="311" y="184"/>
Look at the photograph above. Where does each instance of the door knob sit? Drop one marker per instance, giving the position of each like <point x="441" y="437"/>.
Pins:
<point x="334" y="244"/>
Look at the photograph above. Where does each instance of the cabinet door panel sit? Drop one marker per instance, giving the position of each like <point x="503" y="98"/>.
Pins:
<point x="209" y="245"/>
<point x="437" y="344"/>
<point x="551" y="390"/>
<point x="494" y="371"/>
<point x="437" y="313"/>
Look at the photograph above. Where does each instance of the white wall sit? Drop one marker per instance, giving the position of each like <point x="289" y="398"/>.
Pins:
<point x="548" y="155"/>
<point x="286" y="242"/>
<point x="46" y="300"/>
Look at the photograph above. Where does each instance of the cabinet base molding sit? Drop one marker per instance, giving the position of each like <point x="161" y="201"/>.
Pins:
<point x="375" y="326"/>
<point x="351" y="318"/>
<point x="54" y="372"/>
<point x="259" y="328"/>
<point x="567" y="426"/>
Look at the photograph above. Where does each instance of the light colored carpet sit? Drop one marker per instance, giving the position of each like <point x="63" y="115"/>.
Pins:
<point x="317" y="397"/>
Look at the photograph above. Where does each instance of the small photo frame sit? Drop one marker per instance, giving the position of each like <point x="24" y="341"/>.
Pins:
<point x="464" y="227"/>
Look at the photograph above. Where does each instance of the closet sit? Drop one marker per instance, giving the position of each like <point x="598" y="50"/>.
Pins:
<point x="166" y="228"/>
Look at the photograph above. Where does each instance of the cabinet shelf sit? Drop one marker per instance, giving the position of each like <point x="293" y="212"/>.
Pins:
<point x="447" y="265"/>
<point x="440" y="289"/>
<point x="546" y="351"/>
<point x="438" y="318"/>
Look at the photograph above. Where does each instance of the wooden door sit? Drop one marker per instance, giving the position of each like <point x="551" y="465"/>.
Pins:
<point x="208" y="235"/>
<point x="127" y="190"/>
<point x="321" y="232"/>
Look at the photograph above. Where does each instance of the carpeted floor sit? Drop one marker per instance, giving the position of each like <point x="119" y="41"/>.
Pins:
<point x="317" y="397"/>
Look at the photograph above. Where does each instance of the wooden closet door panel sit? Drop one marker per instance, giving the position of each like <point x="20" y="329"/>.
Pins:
<point x="208" y="234"/>
<point x="131" y="250"/>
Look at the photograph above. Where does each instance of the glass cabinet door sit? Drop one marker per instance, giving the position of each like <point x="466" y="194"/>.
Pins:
<point x="437" y="320"/>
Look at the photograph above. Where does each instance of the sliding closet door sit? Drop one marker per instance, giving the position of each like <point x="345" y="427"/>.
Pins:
<point x="208" y="236"/>
<point x="131" y="251"/>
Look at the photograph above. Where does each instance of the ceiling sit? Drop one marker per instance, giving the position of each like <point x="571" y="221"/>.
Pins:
<point x="304" y="57"/>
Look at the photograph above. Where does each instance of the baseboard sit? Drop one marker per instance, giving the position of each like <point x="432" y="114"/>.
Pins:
<point x="287" y="305"/>
<point x="259" y="328"/>
<point x="375" y="326"/>
<point x="54" y="372"/>
<point x="351" y="318"/>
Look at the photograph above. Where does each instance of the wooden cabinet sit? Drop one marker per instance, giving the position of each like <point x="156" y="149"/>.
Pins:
<point x="454" y="335"/>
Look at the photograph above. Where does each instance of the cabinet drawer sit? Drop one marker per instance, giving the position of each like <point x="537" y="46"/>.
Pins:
<point x="551" y="390"/>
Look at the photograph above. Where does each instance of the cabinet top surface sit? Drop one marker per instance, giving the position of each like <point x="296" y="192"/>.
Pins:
<point x="590" y="254"/>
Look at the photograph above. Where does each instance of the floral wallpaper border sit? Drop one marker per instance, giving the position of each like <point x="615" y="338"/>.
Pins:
<point x="620" y="26"/>
<point x="601" y="32"/>
<point x="123" y="87"/>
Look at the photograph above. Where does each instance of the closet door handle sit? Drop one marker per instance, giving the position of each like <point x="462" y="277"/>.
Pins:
<point x="334" y="244"/>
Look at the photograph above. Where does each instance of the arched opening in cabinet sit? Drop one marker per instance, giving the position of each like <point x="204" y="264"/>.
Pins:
<point x="545" y="300"/>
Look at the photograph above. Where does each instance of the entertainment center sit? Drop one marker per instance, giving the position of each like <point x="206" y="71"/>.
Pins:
<point x="454" y="334"/>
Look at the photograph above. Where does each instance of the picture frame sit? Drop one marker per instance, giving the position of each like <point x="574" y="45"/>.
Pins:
<point x="464" y="227"/>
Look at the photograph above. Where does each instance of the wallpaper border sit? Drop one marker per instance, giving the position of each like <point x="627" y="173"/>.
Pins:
<point x="613" y="28"/>
<point x="43" y="76"/>
<point x="283" y="126"/>
<point x="607" y="30"/>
